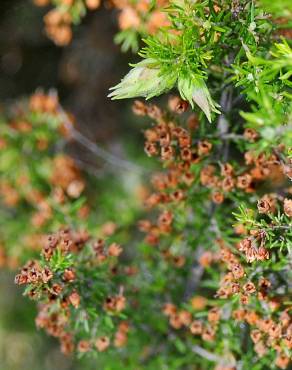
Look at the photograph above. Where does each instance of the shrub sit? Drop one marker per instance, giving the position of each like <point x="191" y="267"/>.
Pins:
<point x="209" y="285"/>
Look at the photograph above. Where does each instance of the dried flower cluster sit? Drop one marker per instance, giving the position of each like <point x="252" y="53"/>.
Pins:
<point x="136" y="18"/>
<point x="40" y="189"/>
<point x="67" y="281"/>
<point x="58" y="21"/>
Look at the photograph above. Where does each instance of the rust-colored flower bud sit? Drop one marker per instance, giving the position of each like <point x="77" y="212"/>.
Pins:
<point x="196" y="327"/>
<point x="114" y="250"/>
<point x="177" y="105"/>
<point x="266" y="204"/>
<point x="250" y="134"/>
<point x="83" y="346"/>
<point x="102" y="343"/>
<point x="92" y="4"/>
<point x="204" y="147"/>
<point x="288" y="207"/>
<point x="69" y="275"/>
<point x="74" y="299"/>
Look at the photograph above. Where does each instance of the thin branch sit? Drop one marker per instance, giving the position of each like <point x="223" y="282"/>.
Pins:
<point x="95" y="149"/>
<point x="223" y="123"/>
<point x="195" y="275"/>
<point x="212" y="356"/>
<point x="196" y="271"/>
<point x="97" y="172"/>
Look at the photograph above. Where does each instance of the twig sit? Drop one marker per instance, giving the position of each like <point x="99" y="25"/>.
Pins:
<point x="95" y="149"/>
<point x="196" y="270"/>
<point x="97" y="172"/>
<point x="195" y="275"/>
<point x="223" y="124"/>
<point x="213" y="357"/>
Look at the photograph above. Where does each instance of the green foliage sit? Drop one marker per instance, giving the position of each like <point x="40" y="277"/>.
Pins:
<point x="184" y="54"/>
<point x="266" y="83"/>
<point x="281" y="8"/>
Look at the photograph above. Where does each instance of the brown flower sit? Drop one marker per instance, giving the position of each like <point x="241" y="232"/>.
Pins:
<point x="239" y="314"/>
<point x="282" y="361"/>
<point x="249" y="157"/>
<point x="256" y="335"/>
<point x="244" y="181"/>
<point x="139" y="108"/>
<point x="227" y="170"/>
<point x="244" y="299"/>
<point x="102" y="343"/>
<point x="120" y="339"/>
<point x="164" y="138"/>
<point x="74" y="299"/>
<point x="263" y="254"/>
<point x="185" y="317"/>
<point x="178" y="195"/>
<point x="228" y="183"/>
<point x="186" y="154"/>
<point x="245" y="244"/>
<point x="188" y="178"/>
<point x="124" y="327"/>
<point x="264" y="283"/>
<point x="47" y="275"/>
<point x="237" y="270"/>
<point x="167" y="153"/>
<point x="120" y="303"/>
<point x="196" y="327"/>
<point x="217" y="197"/>
<point x="115" y="303"/>
<point x="204" y="147"/>
<point x="69" y="275"/>
<point x="179" y="261"/>
<point x="250" y="134"/>
<point x="75" y="188"/>
<point x="251" y="317"/>
<point x="150" y="149"/>
<point x="288" y="207"/>
<point x="151" y="136"/>
<point x="128" y="18"/>
<point x="235" y="288"/>
<point x="275" y="331"/>
<point x="208" y="334"/>
<point x="249" y="288"/>
<point x="260" y="348"/>
<point x="92" y="4"/>
<point x="266" y="204"/>
<point x="214" y="315"/>
<point x="206" y="259"/>
<point x="83" y="346"/>
<point x="169" y="309"/>
<point x="198" y="302"/>
<point x="193" y="122"/>
<point x="177" y="105"/>
<point x="114" y="250"/>
<point x="265" y="324"/>
<point x="165" y="218"/>
<point x="175" y="321"/>
<point x="184" y="140"/>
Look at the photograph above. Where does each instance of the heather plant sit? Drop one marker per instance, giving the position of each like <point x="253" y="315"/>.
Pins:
<point x="201" y="278"/>
<point x="44" y="184"/>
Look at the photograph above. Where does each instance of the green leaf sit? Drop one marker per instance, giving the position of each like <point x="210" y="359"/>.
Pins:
<point x="146" y="80"/>
<point x="195" y="91"/>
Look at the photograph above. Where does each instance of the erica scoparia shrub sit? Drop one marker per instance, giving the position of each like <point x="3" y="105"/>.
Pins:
<point x="209" y="284"/>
